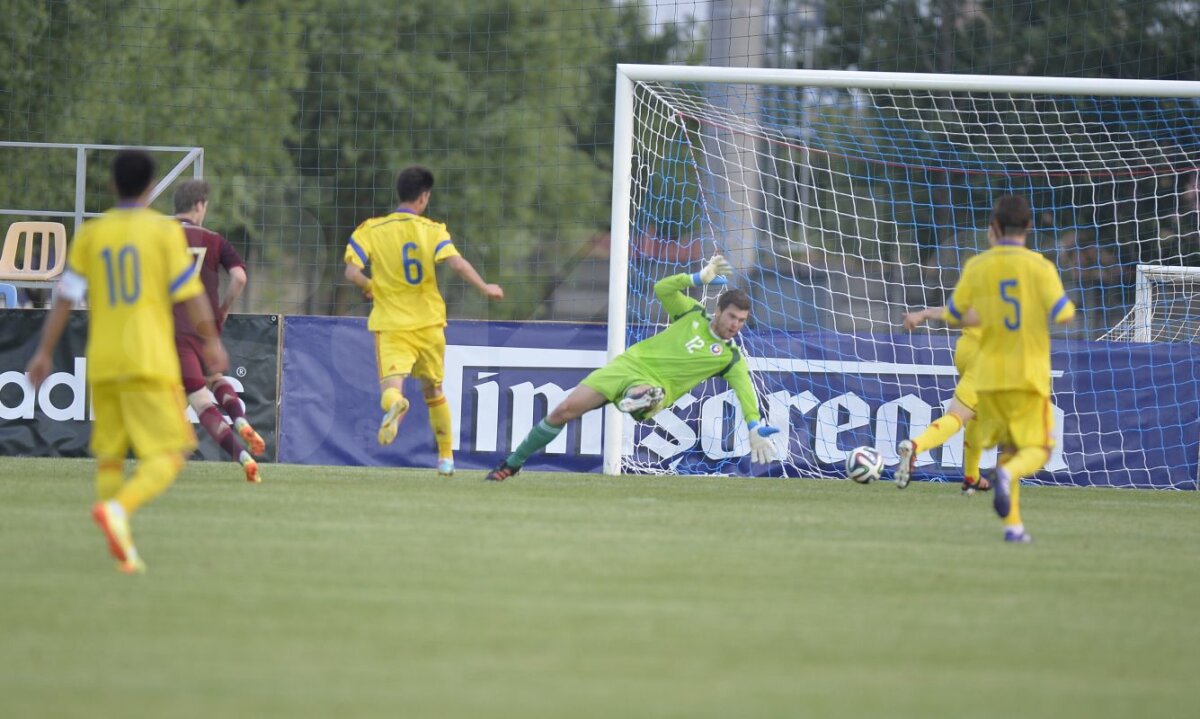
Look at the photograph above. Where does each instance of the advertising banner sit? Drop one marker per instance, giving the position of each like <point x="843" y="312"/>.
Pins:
<point x="1125" y="414"/>
<point x="55" y="420"/>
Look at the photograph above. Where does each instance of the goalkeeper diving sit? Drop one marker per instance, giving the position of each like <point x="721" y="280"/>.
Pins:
<point x="652" y="374"/>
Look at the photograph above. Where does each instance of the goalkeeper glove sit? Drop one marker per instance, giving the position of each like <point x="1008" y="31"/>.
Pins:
<point x="762" y="449"/>
<point x="714" y="272"/>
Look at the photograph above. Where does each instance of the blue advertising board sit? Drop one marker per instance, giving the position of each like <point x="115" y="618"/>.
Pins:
<point x="1125" y="414"/>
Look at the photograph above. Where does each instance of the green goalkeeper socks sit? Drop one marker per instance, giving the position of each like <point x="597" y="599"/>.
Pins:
<point x="538" y="437"/>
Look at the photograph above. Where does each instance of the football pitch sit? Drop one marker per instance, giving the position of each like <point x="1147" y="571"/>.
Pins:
<point x="366" y="592"/>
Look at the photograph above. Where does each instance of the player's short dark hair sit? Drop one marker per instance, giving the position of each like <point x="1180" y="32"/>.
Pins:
<point x="737" y="298"/>
<point x="1012" y="214"/>
<point x="188" y="194"/>
<point x="132" y="172"/>
<point x="412" y="182"/>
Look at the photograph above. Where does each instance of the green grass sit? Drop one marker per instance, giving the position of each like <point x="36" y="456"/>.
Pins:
<point x="359" y="592"/>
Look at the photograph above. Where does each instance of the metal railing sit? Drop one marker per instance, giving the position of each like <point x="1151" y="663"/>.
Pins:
<point x="193" y="157"/>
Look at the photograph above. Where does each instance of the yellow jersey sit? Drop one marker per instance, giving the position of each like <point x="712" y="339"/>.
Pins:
<point x="967" y="348"/>
<point x="402" y="250"/>
<point x="137" y="266"/>
<point x="1017" y="294"/>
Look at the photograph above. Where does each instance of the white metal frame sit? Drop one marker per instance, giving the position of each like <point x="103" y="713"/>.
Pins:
<point x="627" y="75"/>
<point x="1143" y="304"/>
<point x="193" y="157"/>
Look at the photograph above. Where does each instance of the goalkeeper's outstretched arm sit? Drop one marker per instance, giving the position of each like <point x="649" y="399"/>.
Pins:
<point x="670" y="290"/>
<point x="762" y="448"/>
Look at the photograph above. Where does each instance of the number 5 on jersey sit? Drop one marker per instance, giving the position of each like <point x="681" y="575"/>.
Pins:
<point x="1014" y="322"/>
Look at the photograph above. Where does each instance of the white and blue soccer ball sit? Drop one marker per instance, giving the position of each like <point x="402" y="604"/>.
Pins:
<point x="864" y="464"/>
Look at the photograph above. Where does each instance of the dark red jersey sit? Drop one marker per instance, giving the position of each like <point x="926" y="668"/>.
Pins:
<point x="212" y="253"/>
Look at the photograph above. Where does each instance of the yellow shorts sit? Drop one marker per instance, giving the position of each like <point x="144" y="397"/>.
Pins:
<point x="147" y="415"/>
<point x="964" y="362"/>
<point x="420" y="353"/>
<point x="1016" y="418"/>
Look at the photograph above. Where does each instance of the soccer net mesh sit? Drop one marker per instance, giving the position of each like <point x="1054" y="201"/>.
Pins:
<point x="1166" y="308"/>
<point x="843" y="208"/>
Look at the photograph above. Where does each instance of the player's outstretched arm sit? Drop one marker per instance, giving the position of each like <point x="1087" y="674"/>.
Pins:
<point x="670" y="290"/>
<point x="466" y="270"/>
<point x="762" y="448"/>
<point x="913" y="320"/>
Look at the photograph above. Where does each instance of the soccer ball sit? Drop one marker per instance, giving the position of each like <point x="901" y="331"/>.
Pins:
<point x="864" y="464"/>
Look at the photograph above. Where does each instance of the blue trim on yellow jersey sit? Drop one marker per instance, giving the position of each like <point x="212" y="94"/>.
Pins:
<point x="405" y="209"/>
<point x="439" y="247"/>
<point x="1058" y="306"/>
<point x="953" y="311"/>
<point x="182" y="278"/>
<point x="358" y="250"/>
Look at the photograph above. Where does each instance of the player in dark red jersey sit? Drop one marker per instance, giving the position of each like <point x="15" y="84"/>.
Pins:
<point x="205" y="389"/>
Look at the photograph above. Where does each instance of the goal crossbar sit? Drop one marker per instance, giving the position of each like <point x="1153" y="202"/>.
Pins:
<point x="739" y="155"/>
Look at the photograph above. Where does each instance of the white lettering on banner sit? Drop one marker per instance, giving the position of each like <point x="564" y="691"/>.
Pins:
<point x="858" y="414"/>
<point x="80" y="406"/>
<point x="779" y="414"/>
<point x="459" y="357"/>
<point x="487" y="409"/>
<point x="75" y="382"/>
<point x="887" y="422"/>
<point x="682" y="436"/>
<point x="713" y="412"/>
<point x="522" y="417"/>
<point x="672" y="434"/>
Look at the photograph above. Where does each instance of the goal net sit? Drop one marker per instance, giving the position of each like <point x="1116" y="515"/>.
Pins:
<point x="1166" y="306"/>
<point x="845" y="199"/>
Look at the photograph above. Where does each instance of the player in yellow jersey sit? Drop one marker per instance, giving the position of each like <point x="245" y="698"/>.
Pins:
<point x="392" y="259"/>
<point x="131" y="264"/>
<point x="959" y="415"/>
<point x="1012" y="294"/>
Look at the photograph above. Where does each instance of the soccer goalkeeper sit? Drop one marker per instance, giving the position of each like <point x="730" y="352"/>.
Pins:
<point x="655" y="372"/>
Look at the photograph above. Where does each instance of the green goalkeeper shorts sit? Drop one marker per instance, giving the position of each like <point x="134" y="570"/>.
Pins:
<point x="614" y="379"/>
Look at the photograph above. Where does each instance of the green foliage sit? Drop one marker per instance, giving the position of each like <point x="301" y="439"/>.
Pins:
<point x="1148" y="39"/>
<point x="306" y="110"/>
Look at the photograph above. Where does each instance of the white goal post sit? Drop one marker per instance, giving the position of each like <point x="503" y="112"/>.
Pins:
<point x="1166" y="307"/>
<point x="732" y="179"/>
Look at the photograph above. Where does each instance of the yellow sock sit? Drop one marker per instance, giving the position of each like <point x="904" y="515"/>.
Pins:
<point x="972" y="451"/>
<point x="390" y="396"/>
<point x="936" y="434"/>
<point x="443" y="432"/>
<point x="110" y="475"/>
<point x="151" y="478"/>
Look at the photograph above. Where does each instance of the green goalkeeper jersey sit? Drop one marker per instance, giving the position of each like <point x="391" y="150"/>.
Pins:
<point x="687" y="352"/>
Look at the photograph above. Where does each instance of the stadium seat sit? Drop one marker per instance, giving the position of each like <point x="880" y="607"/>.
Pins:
<point x="24" y="259"/>
<point x="9" y="294"/>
